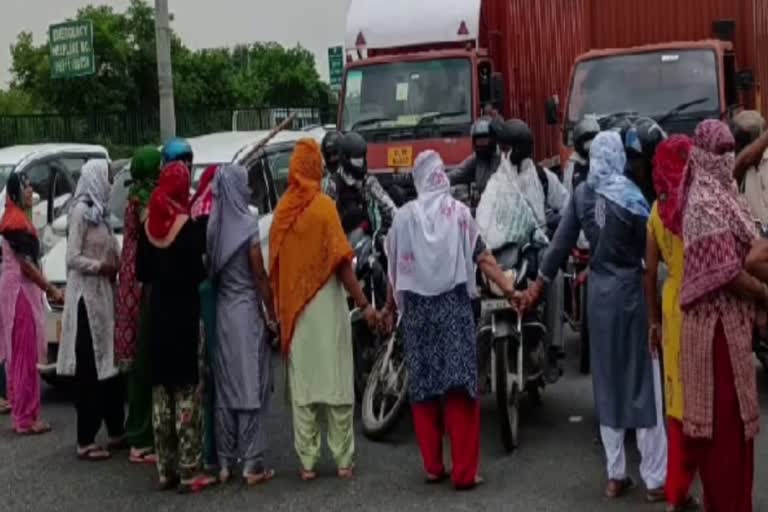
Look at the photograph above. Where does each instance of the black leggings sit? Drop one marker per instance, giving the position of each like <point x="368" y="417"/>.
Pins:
<point x="96" y="400"/>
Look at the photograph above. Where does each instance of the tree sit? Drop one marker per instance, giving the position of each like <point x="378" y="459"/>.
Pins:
<point x="15" y="102"/>
<point x="248" y="75"/>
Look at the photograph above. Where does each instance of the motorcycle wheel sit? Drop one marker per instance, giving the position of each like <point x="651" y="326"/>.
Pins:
<point x="507" y="398"/>
<point x="584" y="363"/>
<point x="385" y="396"/>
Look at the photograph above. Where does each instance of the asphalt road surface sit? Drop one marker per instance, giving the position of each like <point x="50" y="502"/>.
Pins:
<point x="558" y="467"/>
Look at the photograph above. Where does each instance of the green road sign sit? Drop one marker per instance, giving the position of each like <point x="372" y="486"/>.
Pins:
<point x="336" y="66"/>
<point x="71" y="49"/>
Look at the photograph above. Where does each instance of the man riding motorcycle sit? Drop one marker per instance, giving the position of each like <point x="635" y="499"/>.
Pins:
<point x="520" y="180"/>
<point x="331" y="149"/>
<point x="360" y="198"/>
<point x="640" y="143"/>
<point x="479" y="166"/>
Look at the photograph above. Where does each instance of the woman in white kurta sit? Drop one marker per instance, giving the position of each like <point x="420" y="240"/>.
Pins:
<point x="87" y="346"/>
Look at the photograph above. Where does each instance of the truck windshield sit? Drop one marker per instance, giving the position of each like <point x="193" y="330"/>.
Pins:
<point x="408" y="94"/>
<point x="646" y="84"/>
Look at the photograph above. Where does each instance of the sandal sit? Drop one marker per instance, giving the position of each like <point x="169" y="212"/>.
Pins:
<point x="145" y="456"/>
<point x="93" y="453"/>
<point x="346" y="473"/>
<point x="307" y="475"/>
<point x="436" y="479"/>
<point x="468" y="487"/>
<point x="655" y="495"/>
<point x="40" y="427"/>
<point x="261" y="478"/>
<point x="197" y="484"/>
<point x="617" y="488"/>
<point x="5" y="407"/>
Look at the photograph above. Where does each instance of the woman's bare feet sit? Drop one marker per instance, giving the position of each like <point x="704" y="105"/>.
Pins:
<point x="39" y="427"/>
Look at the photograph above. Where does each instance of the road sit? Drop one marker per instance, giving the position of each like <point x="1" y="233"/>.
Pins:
<point x="557" y="468"/>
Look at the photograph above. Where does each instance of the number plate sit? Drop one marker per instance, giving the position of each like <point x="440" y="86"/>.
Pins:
<point x="489" y="306"/>
<point x="401" y="156"/>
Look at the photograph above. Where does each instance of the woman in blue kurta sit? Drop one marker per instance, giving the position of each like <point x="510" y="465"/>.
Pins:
<point x="613" y="214"/>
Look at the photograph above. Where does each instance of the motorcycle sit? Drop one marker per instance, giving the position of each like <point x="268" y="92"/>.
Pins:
<point x="380" y="375"/>
<point x="513" y="356"/>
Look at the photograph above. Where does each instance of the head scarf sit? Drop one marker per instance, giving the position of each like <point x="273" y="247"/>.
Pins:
<point x="306" y="241"/>
<point x="93" y="190"/>
<point x="606" y="174"/>
<point x="432" y="241"/>
<point x="717" y="232"/>
<point x="668" y="166"/>
<point x="231" y="224"/>
<point x="145" y="169"/>
<point x="15" y="226"/>
<point x="169" y="200"/>
<point x="202" y="201"/>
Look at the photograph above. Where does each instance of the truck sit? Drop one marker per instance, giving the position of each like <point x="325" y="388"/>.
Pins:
<point x="679" y="64"/>
<point x="418" y="74"/>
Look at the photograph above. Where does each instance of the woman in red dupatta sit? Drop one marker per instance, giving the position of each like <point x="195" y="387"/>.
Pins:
<point x="719" y="299"/>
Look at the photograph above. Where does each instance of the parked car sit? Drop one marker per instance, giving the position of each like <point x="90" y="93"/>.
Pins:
<point x="268" y="177"/>
<point x="53" y="170"/>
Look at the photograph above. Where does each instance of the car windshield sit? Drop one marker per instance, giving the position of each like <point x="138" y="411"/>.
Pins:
<point x="408" y="94"/>
<point x="5" y="173"/>
<point x="118" y="198"/>
<point x="646" y="84"/>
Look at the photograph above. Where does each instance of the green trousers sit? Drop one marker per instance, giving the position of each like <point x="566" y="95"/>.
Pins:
<point x="338" y="420"/>
<point x="138" y="427"/>
<point x="208" y="314"/>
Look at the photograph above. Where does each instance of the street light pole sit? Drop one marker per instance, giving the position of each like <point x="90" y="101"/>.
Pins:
<point x="164" y="70"/>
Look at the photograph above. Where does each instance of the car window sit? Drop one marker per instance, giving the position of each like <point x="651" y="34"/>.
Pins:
<point x="40" y="178"/>
<point x="279" y="165"/>
<point x="73" y="165"/>
<point x="118" y="198"/>
<point x="259" y="187"/>
<point x="63" y="189"/>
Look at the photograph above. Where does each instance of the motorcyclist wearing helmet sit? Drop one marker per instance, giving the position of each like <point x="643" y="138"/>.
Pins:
<point x="578" y="164"/>
<point x="360" y="198"/>
<point x="516" y="143"/>
<point x="481" y="164"/>
<point x="178" y="150"/>
<point x="640" y="143"/>
<point x="331" y="149"/>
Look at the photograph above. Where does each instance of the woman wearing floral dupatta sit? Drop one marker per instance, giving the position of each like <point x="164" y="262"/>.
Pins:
<point x="721" y="415"/>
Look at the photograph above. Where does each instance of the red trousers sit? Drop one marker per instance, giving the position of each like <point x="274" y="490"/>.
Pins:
<point x="726" y="462"/>
<point x="459" y="415"/>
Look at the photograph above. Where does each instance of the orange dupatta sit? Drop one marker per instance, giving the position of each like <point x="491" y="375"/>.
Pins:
<point x="306" y="243"/>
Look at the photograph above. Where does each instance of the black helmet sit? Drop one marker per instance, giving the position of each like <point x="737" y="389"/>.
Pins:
<point x="481" y="131"/>
<point x="331" y="148"/>
<point x="583" y="133"/>
<point x="517" y="136"/>
<point x="642" y="138"/>
<point x="353" y="155"/>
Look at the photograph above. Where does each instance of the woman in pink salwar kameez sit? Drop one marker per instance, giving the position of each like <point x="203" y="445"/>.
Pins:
<point x="22" y="312"/>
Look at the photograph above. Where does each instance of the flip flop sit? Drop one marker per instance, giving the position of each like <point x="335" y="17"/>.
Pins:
<point x="142" y="457"/>
<point x="37" y="429"/>
<point x="264" y="477"/>
<point x="307" y="475"/>
<point x="617" y="488"/>
<point x="198" y="484"/>
<point x="93" y="454"/>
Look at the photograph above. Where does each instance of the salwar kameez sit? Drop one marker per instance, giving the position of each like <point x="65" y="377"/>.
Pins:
<point x="138" y="426"/>
<point x="176" y="418"/>
<point x="320" y="378"/>
<point x="441" y="357"/>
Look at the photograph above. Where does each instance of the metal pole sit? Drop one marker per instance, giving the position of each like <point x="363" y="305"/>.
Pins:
<point x="164" y="71"/>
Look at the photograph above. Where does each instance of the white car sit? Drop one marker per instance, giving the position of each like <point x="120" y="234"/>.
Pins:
<point x="53" y="170"/>
<point x="268" y="177"/>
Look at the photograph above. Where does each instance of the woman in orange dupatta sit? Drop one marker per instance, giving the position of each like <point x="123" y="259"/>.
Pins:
<point x="309" y="268"/>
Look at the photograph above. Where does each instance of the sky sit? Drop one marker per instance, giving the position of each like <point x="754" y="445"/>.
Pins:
<point x="315" y="24"/>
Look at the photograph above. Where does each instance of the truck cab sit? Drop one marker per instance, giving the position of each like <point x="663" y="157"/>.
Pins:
<point x="677" y="84"/>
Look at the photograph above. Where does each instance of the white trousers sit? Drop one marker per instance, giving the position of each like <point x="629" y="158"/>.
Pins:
<point x="651" y="443"/>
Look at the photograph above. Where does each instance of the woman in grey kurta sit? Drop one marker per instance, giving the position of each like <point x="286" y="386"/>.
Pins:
<point x="612" y="213"/>
<point x="87" y="346"/>
<point x="241" y="364"/>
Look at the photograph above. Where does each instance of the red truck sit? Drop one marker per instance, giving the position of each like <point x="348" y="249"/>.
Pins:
<point x="678" y="62"/>
<point x="419" y="73"/>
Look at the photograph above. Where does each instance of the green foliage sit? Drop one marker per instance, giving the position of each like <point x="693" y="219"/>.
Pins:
<point x="126" y="72"/>
<point x="15" y="102"/>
